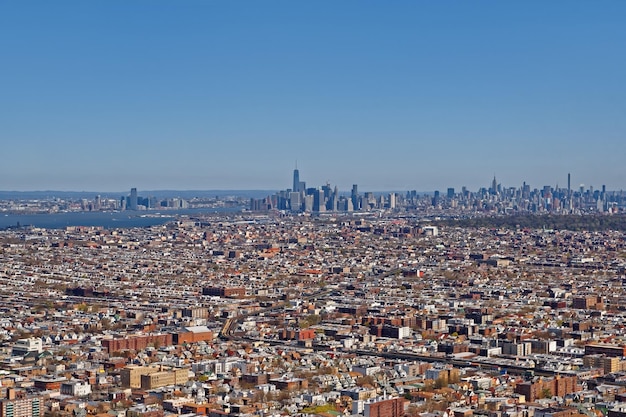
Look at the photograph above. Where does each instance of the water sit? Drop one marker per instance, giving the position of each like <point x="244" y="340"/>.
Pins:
<point x="108" y="220"/>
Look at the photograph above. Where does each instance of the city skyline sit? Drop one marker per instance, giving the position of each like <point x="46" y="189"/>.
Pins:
<point x="565" y="183"/>
<point x="296" y="184"/>
<point x="210" y="95"/>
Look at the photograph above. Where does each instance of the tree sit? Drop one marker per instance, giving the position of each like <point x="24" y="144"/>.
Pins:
<point x="413" y="410"/>
<point x="365" y="380"/>
<point x="441" y="382"/>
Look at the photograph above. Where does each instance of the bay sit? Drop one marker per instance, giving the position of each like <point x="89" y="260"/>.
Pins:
<point x="108" y="220"/>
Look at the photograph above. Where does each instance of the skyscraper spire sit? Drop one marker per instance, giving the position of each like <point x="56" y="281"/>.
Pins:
<point x="296" y="179"/>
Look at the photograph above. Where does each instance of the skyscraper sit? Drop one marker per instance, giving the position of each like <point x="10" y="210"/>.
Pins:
<point x="133" y="199"/>
<point x="354" y="196"/>
<point x="569" y="184"/>
<point x="570" y="205"/>
<point x="295" y="202"/>
<point x="296" y="180"/>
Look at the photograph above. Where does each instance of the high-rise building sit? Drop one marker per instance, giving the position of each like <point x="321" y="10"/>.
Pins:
<point x="327" y="191"/>
<point x="295" y="201"/>
<point x="308" y="203"/>
<point x="569" y="184"/>
<point x="569" y="192"/>
<point x="319" y="202"/>
<point x="19" y="404"/>
<point x="355" y="197"/>
<point x="296" y="180"/>
<point x="133" y="199"/>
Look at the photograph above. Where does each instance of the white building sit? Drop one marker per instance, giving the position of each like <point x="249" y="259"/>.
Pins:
<point x="76" y="388"/>
<point x="25" y="346"/>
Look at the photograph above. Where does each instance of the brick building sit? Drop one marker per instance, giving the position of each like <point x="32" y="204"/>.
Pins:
<point x="46" y="382"/>
<point x="381" y="407"/>
<point x="137" y="342"/>
<point x="547" y="387"/>
<point x="131" y="375"/>
<point x="290" y="384"/>
<point x="193" y="334"/>
<point x="18" y="404"/>
<point x="164" y="378"/>
<point x="296" y="334"/>
<point x="588" y="302"/>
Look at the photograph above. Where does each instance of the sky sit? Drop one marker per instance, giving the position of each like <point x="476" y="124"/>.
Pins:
<point x="390" y="95"/>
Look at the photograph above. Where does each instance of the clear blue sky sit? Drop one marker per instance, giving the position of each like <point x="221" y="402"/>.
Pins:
<point x="108" y="95"/>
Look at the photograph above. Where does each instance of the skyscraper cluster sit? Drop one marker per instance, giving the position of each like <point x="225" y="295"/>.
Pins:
<point x="495" y="198"/>
<point x="322" y="199"/>
<point x="135" y="202"/>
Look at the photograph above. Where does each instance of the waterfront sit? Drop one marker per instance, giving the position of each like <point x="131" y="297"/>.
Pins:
<point x="108" y="220"/>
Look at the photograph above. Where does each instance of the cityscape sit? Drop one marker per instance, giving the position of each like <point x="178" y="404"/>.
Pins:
<point x="319" y="208"/>
<point x="495" y="199"/>
<point x="316" y="302"/>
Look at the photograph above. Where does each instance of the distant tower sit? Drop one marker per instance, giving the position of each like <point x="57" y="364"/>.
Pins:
<point x="569" y="183"/>
<point x="494" y="185"/>
<point x="354" y="196"/>
<point x="570" y="203"/>
<point x="133" y="199"/>
<point x="296" y="180"/>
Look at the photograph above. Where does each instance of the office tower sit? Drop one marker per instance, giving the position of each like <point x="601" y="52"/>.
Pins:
<point x="133" y="199"/>
<point x="332" y="202"/>
<point x="450" y="192"/>
<point x="349" y="206"/>
<point x="494" y="186"/>
<point x="308" y="203"/>
<point x="569" y="184"/>
<point x="295" y="202"/>
<point x="319" y="202"/>
<point x="296" y="180"/>
<point x="525" y="190"/>
<point x="327" y="191"/>
<point x="392" y="201"/>
<point x="355" y="197"/>
<point x="368" y="201"/>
